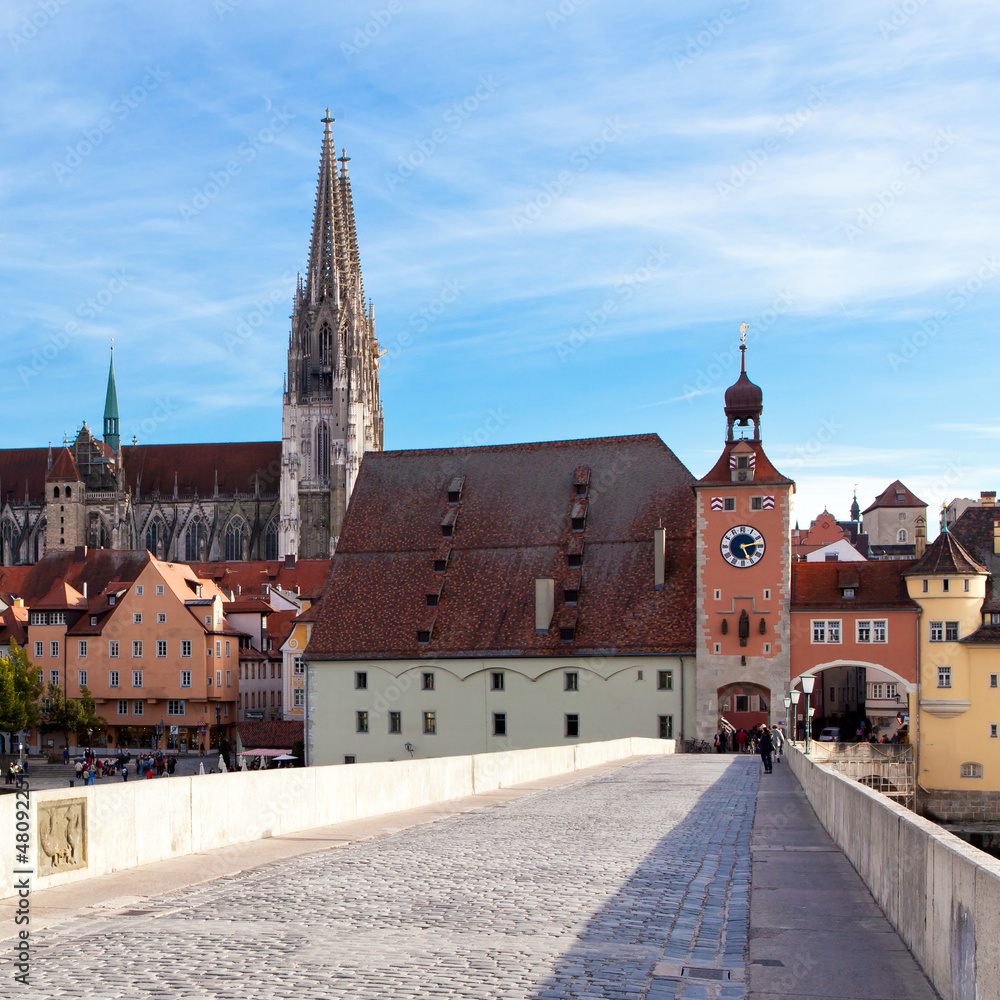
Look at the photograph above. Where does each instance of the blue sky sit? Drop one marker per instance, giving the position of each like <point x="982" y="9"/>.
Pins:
<point x="565" y="210"/>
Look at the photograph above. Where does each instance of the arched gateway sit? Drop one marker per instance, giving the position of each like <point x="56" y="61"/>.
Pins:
<point x="744" y="704"/>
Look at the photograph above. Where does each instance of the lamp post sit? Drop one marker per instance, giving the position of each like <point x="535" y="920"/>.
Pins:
<point x="218" y="727"/>
<point x="788" y="725"/>
<point x="807" y="689"/>
<point x="793" y="697"/>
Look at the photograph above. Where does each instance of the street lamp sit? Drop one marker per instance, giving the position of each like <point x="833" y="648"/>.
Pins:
<point x="793" y="697"/>
<point x="807" y="688"/>
<point x="788" y="725"/>
<point x="218" y="727"/>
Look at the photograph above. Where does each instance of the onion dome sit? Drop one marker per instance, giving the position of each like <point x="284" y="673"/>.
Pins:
<point x="744" y="400"/>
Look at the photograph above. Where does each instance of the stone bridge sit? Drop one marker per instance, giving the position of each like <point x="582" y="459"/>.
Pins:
<point x="670" y="877"/>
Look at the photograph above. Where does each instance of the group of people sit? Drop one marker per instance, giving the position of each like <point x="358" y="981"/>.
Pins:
<point x="146" y="765"/>
<point x="15" y="772"/>
<point x="757" y="740"/>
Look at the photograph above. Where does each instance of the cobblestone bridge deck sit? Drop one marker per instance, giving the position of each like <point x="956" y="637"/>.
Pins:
<point x="612" y="886"/>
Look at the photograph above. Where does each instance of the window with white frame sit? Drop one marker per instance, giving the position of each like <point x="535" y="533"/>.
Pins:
<point x="299" y="666"/>
<point x="218" y="648"/>
<point x="299" y="698"/>
<point x="872" y="630"/>
<point x="39" y="649"/>
<point x="137" y="707"/>
<point x="137" y="618"/>
<point x="161" y="647"/>
<point x="944" y="677"/>
<point x="138" y="590"/>
<point x="54" y="677"/>
<point x="229" y="651"/>
<point x="136" y="649"/>
<point x="994" y="680"/>
<point x="229" y="678"/>
<point x="185" y="647"/>
<point x="185" y="678"/>
<point x="994" y="730"/>
<point x="218" y="678"/>
<point x="970" y="769"/>
<point x="81" y="648"/>
<point x="123" y="706"/>
<point x="825" y="630"/>
<point x="113" y="649"/>
<point x="159" y="590"/>
<point x="54" y="648"/>
<point x="81" y="678"/>
<point x="137" y="678"/>
<point x="161" y="618"/>
<point x="175" y="707"/>
<point x="113" y="678"/>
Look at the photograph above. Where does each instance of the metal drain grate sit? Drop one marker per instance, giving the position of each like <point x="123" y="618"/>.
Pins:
<point x="700" y="972"/>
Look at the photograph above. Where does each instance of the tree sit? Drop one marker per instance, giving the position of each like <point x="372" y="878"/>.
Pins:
<point x="70" y="715"/>
<point x="20" y="689"/>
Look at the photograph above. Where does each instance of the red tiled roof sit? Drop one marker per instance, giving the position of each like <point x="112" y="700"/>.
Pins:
<point x="20" y="467"/>
<point x="150" y="468"/>
<point x="945" y="554"/>
<point x="12" y="622"/>
<point x="895" y="495"/>
<point x="64" y="468"/>
<point x="280" y="625"/>
<point x="877" y="585"/>
<point x="97" y="571"/>
<point x="63" y="597"/>
<point x="764" y="472"/>
<point x="513" y="526"/>
<point x="273" y="735"/>
<point x="247" y="606"/>
<point x="309" y="575"/>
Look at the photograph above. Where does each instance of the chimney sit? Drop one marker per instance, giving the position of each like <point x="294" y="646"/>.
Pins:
<point x="545" y="603"/>
<point x="290" y="562"/>
<point x="659" y="557"/>
<point x="988" y="498"/>
<point x="80" y="554"/>
<point x="920" y="541"/>
<point x="84" y="588"/>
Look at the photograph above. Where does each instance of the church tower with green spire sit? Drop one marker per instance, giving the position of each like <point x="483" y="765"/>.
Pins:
<point x="112" y="437"/>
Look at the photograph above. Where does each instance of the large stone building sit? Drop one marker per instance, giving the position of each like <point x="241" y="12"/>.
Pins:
<point x="226" y="501"/>
<point x="507" y="597"/>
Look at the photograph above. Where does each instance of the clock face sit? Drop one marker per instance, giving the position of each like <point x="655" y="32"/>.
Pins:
<point x="742" y="546"/>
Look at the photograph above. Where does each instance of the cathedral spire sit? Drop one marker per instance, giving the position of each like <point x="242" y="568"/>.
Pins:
<point x="111" y="436"/>
<point x="328" y="250"/>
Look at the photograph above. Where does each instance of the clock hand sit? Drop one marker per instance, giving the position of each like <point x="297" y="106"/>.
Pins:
<point x="743" y="546"/>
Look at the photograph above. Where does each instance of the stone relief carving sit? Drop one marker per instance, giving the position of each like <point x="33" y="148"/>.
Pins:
<point x="62" y="836"/>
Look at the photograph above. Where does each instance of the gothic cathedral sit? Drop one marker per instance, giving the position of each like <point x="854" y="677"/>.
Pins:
<point x="262" y="500"/>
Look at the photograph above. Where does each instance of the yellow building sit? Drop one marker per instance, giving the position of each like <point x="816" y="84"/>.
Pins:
<point x="294" y="673"/>
<point x="958" y="699"/>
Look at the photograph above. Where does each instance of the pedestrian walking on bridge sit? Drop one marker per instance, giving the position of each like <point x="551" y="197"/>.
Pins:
<point x="765" y="747"/>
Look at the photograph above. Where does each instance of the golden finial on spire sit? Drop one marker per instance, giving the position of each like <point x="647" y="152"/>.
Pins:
<point x="743" y="332"/>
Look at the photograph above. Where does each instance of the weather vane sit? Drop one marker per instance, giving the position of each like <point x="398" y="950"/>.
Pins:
<point x="743" y="332"/>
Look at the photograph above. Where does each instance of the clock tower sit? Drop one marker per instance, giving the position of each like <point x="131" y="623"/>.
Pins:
<point x="743" y="582"/>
